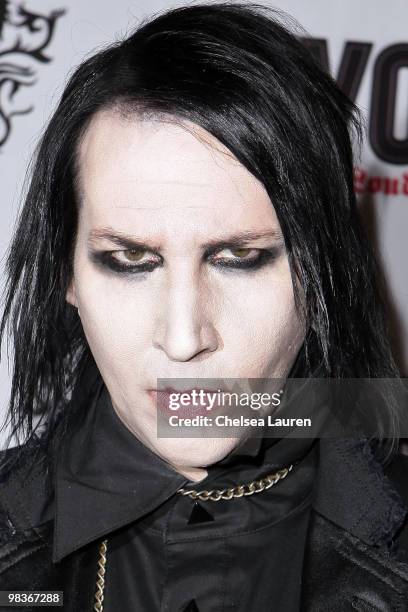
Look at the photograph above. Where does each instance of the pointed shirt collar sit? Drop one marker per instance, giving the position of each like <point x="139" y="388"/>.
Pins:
<point x="105" y="477"/>
<point x="94" y="467"/>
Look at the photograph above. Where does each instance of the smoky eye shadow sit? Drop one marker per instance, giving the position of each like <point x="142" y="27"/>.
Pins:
<point x="105" y="261"/>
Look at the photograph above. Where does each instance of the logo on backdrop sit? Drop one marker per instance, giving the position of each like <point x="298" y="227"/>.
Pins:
<point x="24" y="38"/>
<point x="387" y="118"/>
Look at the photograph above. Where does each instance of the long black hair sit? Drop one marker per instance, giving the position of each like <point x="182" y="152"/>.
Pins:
<point x="238" y="72"/>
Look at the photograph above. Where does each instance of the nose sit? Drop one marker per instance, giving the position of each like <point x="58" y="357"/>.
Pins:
<point x="184" y="329"/>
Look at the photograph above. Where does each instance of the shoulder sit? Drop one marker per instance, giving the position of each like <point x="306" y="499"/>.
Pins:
<point x="343" y="570"/>
<point x="27" y="470"/>
<point x="26" y="491"/>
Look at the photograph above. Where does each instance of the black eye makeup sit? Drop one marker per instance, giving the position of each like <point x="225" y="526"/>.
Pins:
<point x="127" y="261"/>
<point x="138" y="261"/>
<point x="245" y="258"/>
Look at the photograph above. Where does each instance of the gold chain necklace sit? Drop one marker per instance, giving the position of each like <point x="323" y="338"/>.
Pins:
<point x="256" y="486"/>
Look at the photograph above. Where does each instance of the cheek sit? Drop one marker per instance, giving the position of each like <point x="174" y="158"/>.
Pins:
<point x="262" y="326"/>
<point x="116" y="316"/>
<point x="263" y="315"/>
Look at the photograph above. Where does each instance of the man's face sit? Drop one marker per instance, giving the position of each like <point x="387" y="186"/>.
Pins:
<point x="176" y="306"/>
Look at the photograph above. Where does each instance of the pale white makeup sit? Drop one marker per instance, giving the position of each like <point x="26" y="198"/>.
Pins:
<point x="176" y="188"/>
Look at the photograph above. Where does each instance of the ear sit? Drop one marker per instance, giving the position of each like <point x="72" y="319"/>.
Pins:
<point x="70" y="295"/>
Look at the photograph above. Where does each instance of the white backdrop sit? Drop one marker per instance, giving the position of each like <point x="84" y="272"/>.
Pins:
<point x="379" y="37"/>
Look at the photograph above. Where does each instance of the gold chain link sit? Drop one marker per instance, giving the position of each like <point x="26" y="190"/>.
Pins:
<point x="256" y="486"/>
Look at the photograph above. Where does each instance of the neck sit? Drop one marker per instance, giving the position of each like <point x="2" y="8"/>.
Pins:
<point x="193" y="473"/>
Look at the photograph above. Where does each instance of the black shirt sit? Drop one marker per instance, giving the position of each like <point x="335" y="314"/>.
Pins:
<point x="167" y="552"/>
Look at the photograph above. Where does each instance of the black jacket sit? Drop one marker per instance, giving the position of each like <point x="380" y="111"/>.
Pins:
<point x="356" y="555"/>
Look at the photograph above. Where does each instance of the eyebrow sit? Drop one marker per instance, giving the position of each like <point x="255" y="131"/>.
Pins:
<point x="129" y="241"/>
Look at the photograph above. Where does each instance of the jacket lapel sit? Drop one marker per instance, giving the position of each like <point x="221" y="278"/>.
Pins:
<point x="350" y="559"/>
<point x="354" y="493"/>
<point x="343" y="573"/>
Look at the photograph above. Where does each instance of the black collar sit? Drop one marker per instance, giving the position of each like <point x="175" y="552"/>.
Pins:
<point x="100" y="485"/>
<point x="351" y="490"/>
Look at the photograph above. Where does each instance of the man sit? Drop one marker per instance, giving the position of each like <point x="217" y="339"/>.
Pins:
<point x="194" y="197"/>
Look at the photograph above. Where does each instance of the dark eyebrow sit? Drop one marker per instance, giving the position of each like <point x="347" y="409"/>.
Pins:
<point x="243" y="237"/>
<point x="121" y="239"/>
<point x="128" y="241"/>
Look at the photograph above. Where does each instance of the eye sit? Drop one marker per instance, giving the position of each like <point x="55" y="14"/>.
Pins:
<point x="241" y="253"/>
<point x="128" y="261"/>
<point x="133" y="254"/>
<point x="136" y="259"/>
<point x="242" y="258"/>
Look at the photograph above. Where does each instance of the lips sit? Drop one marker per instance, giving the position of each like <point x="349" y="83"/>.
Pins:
<point x="191" y="405"/>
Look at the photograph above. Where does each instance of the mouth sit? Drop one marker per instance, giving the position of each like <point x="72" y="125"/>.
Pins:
<point x="187" y="402"/>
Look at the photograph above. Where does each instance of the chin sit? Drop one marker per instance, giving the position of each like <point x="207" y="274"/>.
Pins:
<point x="195" y="452"/>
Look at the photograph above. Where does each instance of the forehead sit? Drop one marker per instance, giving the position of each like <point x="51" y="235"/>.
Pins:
<point x="140" y="168"/>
